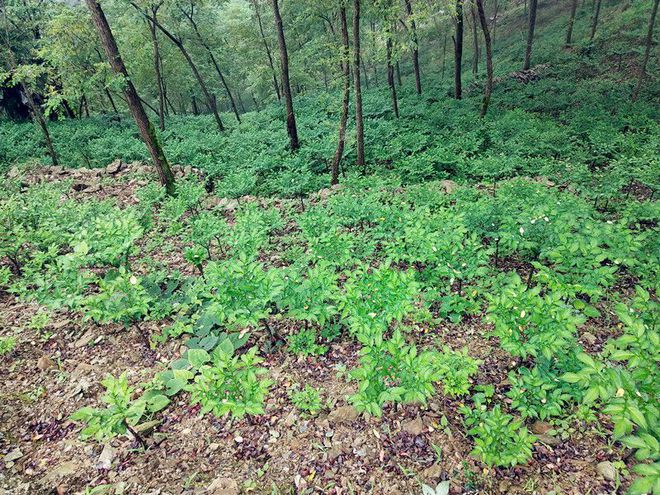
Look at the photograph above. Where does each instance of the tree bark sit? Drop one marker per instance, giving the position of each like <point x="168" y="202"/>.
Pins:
<point x="475" y="42"/>
<point x="346" y="76"/>
<point x="489" y="58"/>
<point x="159" y="78"/>
<point x="214" y="62"/>
<point x="594" y="20"/>
<point x="359" y="124"/>
<point x="458" y="51"/>
<point x="146" y="128"/>
<point x="284" y="76"/>
<point x="530" y="33"/>
<point x="647" y="52"/>
<point x="415" y="52"/>
<point x="179" y="44"/>
<point x="276" y="84"/>
<point x="444" y="57"/>
<point x="390" y="75"/>
<point x="571" y="23"/>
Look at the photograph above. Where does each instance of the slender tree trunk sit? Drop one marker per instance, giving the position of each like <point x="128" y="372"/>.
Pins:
<point x="458" y="51"/>
<point x="194" y="105"/>
<point x="390" y="75"/>
<point x="530" y="33"/>
<point x="571" y="23"/>
<point x="159" y="78"/>
<point x="489" y="58"/>
<point x="359" y="124"/>
<point x="179" y="44"/>
<point x="594" y="20"/>
<point x="284" y="76"/>
<point x="475" y="42"/>
<point x="346" y="76"/>
<point x="647" y="52"/>
<point x="214" y="62"/>
<point x="444" y="57"/>
<point x="276" y="84"/>
<point x="147" y="130"/>
<point x="415" y="52"/>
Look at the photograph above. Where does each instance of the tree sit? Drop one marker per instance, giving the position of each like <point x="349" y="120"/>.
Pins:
<point x="284" y="76"/>
<point x="146" y="128"/>
<point x="22" y="81"/>
<point x="390" y="75"/>
<point x="346" y="77"/>
<point x="489" y="58"/>
<point x="276" y="84"/>
<point x="647" y="51"/>
<point x="571" y="22"/>
<point x="475" y="42"/>
<point x="458" y="50"/>
<point x="359" y="124"/>
<point x="530" y="33"/>
<point x="594" y="20"/>
<point x="415" y="51"/>
<point x="178" y="42"/>
<point x="157" y="64"/>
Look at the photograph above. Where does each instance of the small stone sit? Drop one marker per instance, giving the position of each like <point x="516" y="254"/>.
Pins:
<point x="589" y="338"/>
<point x="449" y="186"/>
<point x="213" y="447"/>
<point x="14" y="455"/>
<point x="335" y="451"/>
<point x="85" y="339"/>
<point x="414" y="426"/>
<point x="549" y="440"/>
<point x="541" y="427"/>
<point x="105" y="459"/>
<point x="607" y="470"/>
<point x="432" y="472"/>
<point x="344" y="414"/>
<point x="115" y="167"/>
<point x="223" y="486"/>
<point x="147" y="427"/>
<point x="44" y="362"/>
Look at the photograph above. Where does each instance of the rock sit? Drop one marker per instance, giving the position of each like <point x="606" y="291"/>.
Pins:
<point x="549" y="440"/>
<point x="188" y="170"/>
<point x="80" y="186"/>
<point x="85" y="339"/>
<point x="44" y="362"/>
<point x="61" y="470"/>
<point x="105" y="459"/>
<point x="414" y="426"/>
<point x="449" y="186"/>
<point x="115" y="167"/>
<point x="432" y="472"/>
<point x="607" y="470"/>
<point x="541" y="427"/>
<point x="589" y="338"/>
<point x="335" y="451"/>
<point x="344" y="414"/>
<point x="223" y="486"/>
<point x="13" y="455"/>
<point x="13" y="173"/>
<point x="147" y="427"/>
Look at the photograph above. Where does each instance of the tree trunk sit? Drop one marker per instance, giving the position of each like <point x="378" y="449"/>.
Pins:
<point x="458" y="51"/>
<point x="346" y="76"/>
<point x="444" y="57"/>
<point x="415" y="53"/>
<point x="530" y="33"/>
<point x="179" y="44"/>
<point x="146" y="128"/>
<point x="475" y="42"/>
<point x="489" y="58"/>
<point x="38" y="118"/>
<point x="594" y="21"/>
<point x="571" y="22"/>
<point x="159" y="78"/>
<point x="359" y="124"/>
<point x="276" y="84"/>
<point x="215" y="63"/>
<point x="194" y="105"/>
<point x="390" y="76"/>
<point x="647" y="52"/>
<point x="284" y="76"/>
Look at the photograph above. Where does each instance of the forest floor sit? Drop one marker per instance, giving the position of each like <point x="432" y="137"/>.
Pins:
<point x="56" y="370"/>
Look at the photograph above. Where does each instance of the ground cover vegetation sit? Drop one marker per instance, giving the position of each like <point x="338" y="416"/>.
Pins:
<point x="461" y="300"/>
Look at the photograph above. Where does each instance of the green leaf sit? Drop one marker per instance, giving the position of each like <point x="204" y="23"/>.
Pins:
<point x="198" y="357"/>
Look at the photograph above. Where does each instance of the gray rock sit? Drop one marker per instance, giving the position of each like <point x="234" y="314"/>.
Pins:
<point x="344" y="414"/>
<point x="607" y="470"/>
<point x="223" y="486"/>
<point x="115" y="167"/>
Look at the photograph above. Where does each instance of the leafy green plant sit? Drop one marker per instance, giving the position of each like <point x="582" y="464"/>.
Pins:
<point x="7" y="344"/>
<point x="307" y="399"/>
<point x="455" y="368"/>
<point x="536" y="393"/>
<point x="501" y="440"/>
<point x="393" y="372"/>
<point x="303" y="343"/>
<point x="229" y="384"/>
<point x="121" y="299"/>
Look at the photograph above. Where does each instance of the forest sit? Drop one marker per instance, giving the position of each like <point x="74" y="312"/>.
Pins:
<point x="329" y="247"/>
